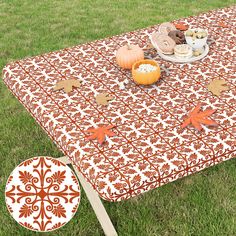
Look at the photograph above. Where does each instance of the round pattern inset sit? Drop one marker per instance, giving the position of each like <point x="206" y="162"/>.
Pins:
<point x="42" y="194"/>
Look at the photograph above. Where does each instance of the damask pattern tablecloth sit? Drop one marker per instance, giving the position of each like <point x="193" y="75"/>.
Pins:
<point x="149" y="149"/>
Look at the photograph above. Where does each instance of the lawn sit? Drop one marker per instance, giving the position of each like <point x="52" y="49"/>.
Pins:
<point x="203" y="204"/>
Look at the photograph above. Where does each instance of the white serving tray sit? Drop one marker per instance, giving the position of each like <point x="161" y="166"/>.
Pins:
<point x="173" y="58"/>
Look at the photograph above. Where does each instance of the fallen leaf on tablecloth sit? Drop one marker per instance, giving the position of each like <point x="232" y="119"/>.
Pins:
<point x="222" y="24"/>
<point x="100" y="133"/>
<point x="103" y="98"/>
<point x="217" y="86"/>
<point x="67" y="85"/>
<point x="196" y="118"/>
<point x="181" y="27"/>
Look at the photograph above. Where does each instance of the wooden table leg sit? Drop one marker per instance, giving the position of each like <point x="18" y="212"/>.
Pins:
<point x="95" y="202"/>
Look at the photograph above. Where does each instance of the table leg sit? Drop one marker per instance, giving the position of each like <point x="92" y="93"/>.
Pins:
<point x="95" y="202"/>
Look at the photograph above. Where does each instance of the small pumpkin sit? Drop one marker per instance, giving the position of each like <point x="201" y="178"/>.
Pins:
<point x="127" y="55"/>
<point x="147" y="78"/>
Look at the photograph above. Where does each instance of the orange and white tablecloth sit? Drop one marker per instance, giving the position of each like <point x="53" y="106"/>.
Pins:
<point x="149" y="149"/>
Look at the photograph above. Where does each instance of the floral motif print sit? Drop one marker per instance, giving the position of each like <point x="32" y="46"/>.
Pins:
<point x="25" y="177"/>
<point x="149" y="148"/>
<point x="59" y="176"/>
<point x="59" y="211"/>
<point x="25" y="211"/>
<point x="42" y="194"/>
<point x="197" y="118"/>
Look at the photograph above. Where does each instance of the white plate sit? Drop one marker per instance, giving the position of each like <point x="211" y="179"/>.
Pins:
<point x="173" y="58"/>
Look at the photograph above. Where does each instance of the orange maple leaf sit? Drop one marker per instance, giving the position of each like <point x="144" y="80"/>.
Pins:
<point x="222" y="24"/>
<point x="181" y="27"/>
<point x="100" y="133"/>
<point x="196" y="118"/>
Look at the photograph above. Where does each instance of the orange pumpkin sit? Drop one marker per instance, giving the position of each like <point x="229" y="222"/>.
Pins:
<point x="147" y="78"/>
<point x="127" y="55"/>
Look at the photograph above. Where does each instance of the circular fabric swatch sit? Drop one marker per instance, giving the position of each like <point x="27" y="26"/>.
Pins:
<point x="42" y="194"/>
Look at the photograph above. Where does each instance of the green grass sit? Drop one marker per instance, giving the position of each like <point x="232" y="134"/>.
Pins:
<point x="203" y="204"/>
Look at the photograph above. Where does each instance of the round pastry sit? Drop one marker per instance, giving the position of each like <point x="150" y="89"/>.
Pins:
<point x="164" y="43"/>
<point x="166" y="27"/>
<point x="197" y="33"/>
<point x="189" y="33"/>
<point x="183" y="51"/>
<point x="177" y="36"/>
<point x="197" y="52"/>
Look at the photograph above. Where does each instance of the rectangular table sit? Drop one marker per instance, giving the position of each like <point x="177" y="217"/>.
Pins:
<point x="149" y="149"/>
